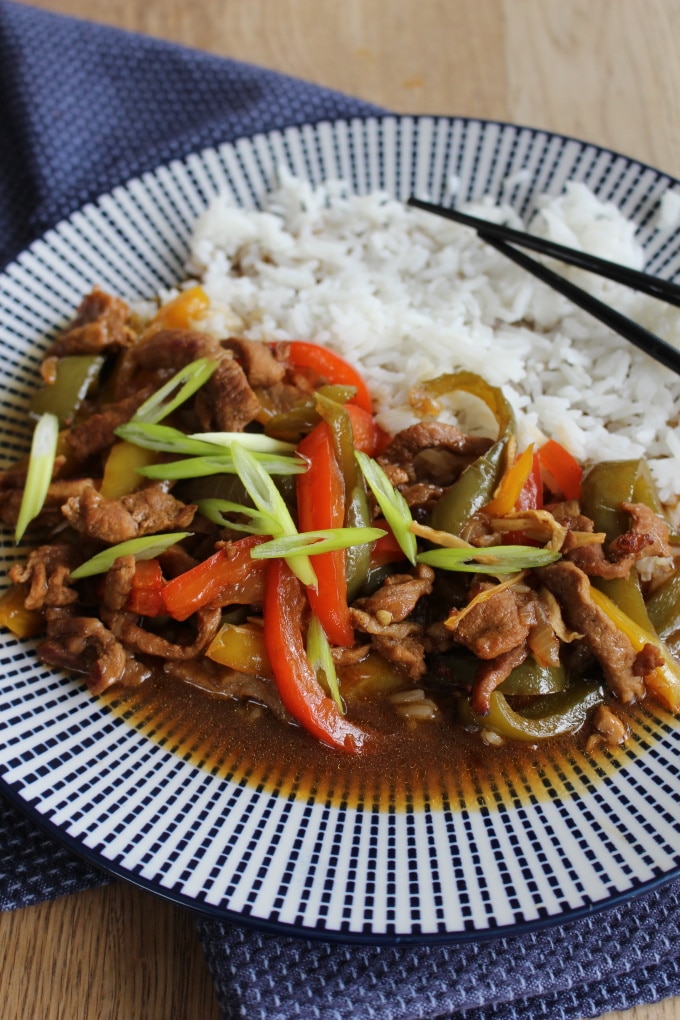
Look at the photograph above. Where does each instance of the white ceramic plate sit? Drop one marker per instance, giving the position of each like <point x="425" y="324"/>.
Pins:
<point x="537" y="847"/>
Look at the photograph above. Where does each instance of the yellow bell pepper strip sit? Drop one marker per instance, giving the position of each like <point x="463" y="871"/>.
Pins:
<point x="284" y="607"/>
<point x="562" y="469"/>
<point x="331" y="367"/>
<point x="321" y="504"/>
<point x="531" y="496"/>
<point x="241" y="647"/>
<point x="23" y="623"/>
<point x="664" y="681"/>
<point x="511" y="485"/>
<point x="181" y="312"/>
<point x="146" y="590"/>
<point x="74" y="378"/>
<point x="39" y="474"/>
<point x="548" y="717"/>
<point x="229" y="577"/>
<point x="121" y="470"/>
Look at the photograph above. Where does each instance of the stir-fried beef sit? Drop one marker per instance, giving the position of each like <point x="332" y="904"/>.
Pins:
<point x="96" y="434"/>
<point x="432" y="435"/>
<point x="84" y="644"/>
<point x="608" y="644"/>
<point x="118" y="583"/>
<point x="258" y="360"/>
<point x="494" y="626"/>
<point x="100" y="325"/>
<point x="491" y="674"/>
<point x="126" y="629"/>
<point x="397" y="597"/>
<point x="47" y="572"/>
<point x="58" y="493"/>
<point x="228" y="683"/>
<point x="144" y="512"/>
<point x="647" y="536"/>
<point x="608" y="727"/>
<point x="227" y="403"/>
<point x="400" y="643"/>
<point x="169" y="350"/>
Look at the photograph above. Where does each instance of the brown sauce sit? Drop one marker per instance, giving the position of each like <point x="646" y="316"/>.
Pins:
<point x="433" y="763"/>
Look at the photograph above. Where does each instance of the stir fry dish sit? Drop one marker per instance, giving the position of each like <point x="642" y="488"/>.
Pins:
<point x="228" y="513"/>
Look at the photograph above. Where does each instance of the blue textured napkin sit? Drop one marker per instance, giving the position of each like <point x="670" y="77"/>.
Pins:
<point x="82" y="109"/>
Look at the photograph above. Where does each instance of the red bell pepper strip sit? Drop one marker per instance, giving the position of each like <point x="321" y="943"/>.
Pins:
<point x="321" y="504"/>
<point x="563" y="469"/>
<point x="228" y="577"/>
<point x="146" y="591"/>
<point x="369" y="437"/>
<point x="334" y="369"/>
<point x="531" y="496"/>
<point x="297" y="683"/>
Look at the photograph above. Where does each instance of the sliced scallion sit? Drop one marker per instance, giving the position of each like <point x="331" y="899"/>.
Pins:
<point x="175" y="391"/>
<point x="311" y="543"/>
<point x="319" y="654"/>
<point x="214" y="510"/>
<point x="145" y="548"/>
<point x="256" y="442"/>
<point x="391" y="502"/>
<point x="165" y="439"/>
<point x="268" y="500"/>
<point x="39" y="474"/>
<point x="222" y="464"/>
<point x="496" y="559"/>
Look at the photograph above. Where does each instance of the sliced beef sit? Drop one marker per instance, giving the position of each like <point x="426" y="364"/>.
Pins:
<point x="490" y="675"/>
<point x="400" y="643"/>
<point x="258" y="361"/>
<point x="169" y="350"/>
<point x="647" y="536"/>
<point x="494" y="626"/>
<point x="407" y="449"/>
<point x="47" y="571"/>
<point x="228" y="683"/>
<point x="606" y="642"/>
<point x="227" y="402"/>
<point x="126" y="629"/>
<point x="144" y="512"/>
<point x="100" y="326"/>
<point x="84" y="644"/>
<point x="96" y="435"/>
<point x="50" y="516"/>
<point x="397" y="597"/>
<point x="117" y="583"/>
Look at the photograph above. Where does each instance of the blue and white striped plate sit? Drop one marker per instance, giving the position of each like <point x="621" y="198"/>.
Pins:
<point x="532" y="847"/>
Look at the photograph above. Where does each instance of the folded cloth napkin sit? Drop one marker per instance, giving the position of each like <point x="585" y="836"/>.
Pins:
<point x="85" y="108"/>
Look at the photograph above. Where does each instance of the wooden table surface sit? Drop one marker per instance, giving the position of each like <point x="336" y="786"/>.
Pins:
<point x="604" y="70"/>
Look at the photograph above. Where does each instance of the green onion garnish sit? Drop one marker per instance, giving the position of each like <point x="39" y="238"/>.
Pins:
<point x="39" y="474"/>
<point x="145" y="548"/>
<point x="268" y="500"/>
<point x="256" y="442"/>
<point x="320" y="658"/>
<point x="495" y="559"/>
<point x="183" y="384"/>
<point x="165" y="439"/>
<point x="391" y="502"/>
<point x="311" y="543"/>
<point x="221" y="464"/>
<point x="214" y="509"/>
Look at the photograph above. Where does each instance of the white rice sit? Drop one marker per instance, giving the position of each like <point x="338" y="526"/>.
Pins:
<point x="407" y="296"/>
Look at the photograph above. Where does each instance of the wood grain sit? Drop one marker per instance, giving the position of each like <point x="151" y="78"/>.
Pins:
<point x="604" y="70"/>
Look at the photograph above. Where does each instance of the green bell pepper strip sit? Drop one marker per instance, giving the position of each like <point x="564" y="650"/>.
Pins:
<point x="531" y="679"/>
<point x="663" y="608"/>
<point x="76" y="375"/>
<point x="304" y="415"/>
<point x="548" y="717"/>
<point x="469" y="493"/>
<point x="609" y="484"/>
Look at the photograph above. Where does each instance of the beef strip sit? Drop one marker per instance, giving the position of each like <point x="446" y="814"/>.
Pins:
<point x="228" y="683"/>
<point x="58" y="492"/>
<point x="47" y="571"/>
<point x="608" y="644"/>
<point x="495" y="626"/>
<point x="83" y="644"/>
<point x="258" y="361"/>
<point x="397" y="597"/>
<point x="144" y="512"/>
<point x="125" y="628"/>
<point x="647" y="536"/>
<point x="491" y="674"/>
<point x="96" y="434"/>
<point x="400" y="643"/>
<point x="227" y="402"/>
<point x="100" y="326"/>
<point x="118" y="583"/>
<point x="412" y="441"/>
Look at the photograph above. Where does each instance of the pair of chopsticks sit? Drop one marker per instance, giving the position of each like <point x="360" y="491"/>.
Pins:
<point x="504" y="239"/>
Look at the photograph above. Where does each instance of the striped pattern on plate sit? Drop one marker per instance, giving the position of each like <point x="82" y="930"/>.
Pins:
<point x="286" y="860"/>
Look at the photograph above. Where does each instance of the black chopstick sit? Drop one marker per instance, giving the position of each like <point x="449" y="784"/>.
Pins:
<point x="632" y="331"/>
<point x="664" y="290"/>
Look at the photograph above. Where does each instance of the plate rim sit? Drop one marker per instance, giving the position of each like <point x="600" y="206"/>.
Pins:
<point x="216" y="912"/>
